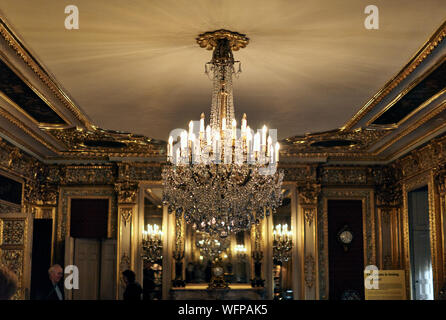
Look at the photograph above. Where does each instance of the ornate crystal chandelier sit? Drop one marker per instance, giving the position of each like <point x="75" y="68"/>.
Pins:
<point x="222" y="179"/>
<point x="151" y="243"/>
<point x="282" y="243"/>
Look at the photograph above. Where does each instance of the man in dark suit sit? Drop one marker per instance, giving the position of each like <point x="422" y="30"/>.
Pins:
<point x="52" y="288"/>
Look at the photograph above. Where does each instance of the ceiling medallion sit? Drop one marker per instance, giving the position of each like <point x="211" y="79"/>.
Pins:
<point x="221" y="178"/>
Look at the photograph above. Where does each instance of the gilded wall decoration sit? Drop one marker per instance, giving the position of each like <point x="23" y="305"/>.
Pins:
<point x="124" y="263"/>
<point x="126" y="215"/>
<point x="12" y="231"/>
<point x="302" y="173"/>
<point x="344" y="176"/>
<point x="309" y="215"/>
<point x="6" y="207"/>
<point x="387" y="186"/>
<point x="308" y="193"/>
<point x="87" y="174"/>
<point x="126" y="192"/>
<point x="368" y="215"/>
<point x="428" y="157"/>
<point x="309" y="270"/>
<point x="145" y="172"/>
<point x="15" y="161"/>
<point x="13" y="260"/>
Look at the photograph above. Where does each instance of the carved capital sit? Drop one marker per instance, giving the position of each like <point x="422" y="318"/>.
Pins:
<point x="40" y="190"/>
<point x="440" y="179"/>
<point x="309" y="193"/>
<point x="126" y="192"/>
<point x="387" y="187"/>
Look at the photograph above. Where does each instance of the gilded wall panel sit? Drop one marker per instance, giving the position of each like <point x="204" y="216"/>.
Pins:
<point x="368" y="215"/>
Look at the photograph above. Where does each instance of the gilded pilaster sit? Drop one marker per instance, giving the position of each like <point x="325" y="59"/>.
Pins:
<point x="127" y="211"/>
<point x="307" y="205"/>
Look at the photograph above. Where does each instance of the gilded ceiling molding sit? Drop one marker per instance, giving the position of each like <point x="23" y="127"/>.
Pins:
<point x="334" y="143"/>
<point x="413" y="127"/>
<point x="419" y="57"/>
<point x="14" y="43"/>
<point x="19" y="124"/>
<point x="15" y="161"/>
<point x="100" y="143"/>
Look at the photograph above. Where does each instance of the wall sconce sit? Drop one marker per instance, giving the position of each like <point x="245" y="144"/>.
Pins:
<point x="152" y="243"/>
<point x="282" y="243"/>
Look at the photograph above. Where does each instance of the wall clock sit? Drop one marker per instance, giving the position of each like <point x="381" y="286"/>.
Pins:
<point x="345" y="237"/>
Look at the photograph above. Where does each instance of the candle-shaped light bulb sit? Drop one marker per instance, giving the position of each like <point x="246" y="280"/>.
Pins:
<point x="183" y="140"/>
<point x="191" y="127"/>
<point x="264" y="129"/>
<point x="269" y="143"/>
<point x="170" y="148"/>
<point x="257" y="142"/>
<point x="202" y="123"/>
<point x="277" y="151"/>
<point x="244" y="123"/>
<point x="223" y="124"/>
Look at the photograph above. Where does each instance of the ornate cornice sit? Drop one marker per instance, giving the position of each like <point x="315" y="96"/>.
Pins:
<point x="336" y="143"/>
<point x="100" y="143"/>
<point x="427" y="157"/>
<point x="418" y="58"/>
<point x="15" y="44"/>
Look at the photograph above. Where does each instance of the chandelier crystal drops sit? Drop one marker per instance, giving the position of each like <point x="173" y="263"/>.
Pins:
<point x="221" y="178"/>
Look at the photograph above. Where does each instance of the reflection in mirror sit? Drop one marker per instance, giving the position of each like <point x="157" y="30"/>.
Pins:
<point x="152" y="245"/>
<point x="282" y="245"/>
<point x="204" y="251"/>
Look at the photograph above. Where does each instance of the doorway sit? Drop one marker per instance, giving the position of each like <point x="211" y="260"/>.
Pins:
<point x="419" y="241"/>
<point x="346" y="259"/>
<point x="96" y="262"/>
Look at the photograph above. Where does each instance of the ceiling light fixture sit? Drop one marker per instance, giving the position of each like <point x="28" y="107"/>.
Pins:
<point x="222" y="179"/>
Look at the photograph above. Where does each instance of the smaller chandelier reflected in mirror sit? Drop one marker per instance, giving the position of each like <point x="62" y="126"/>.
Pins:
<point x="222" y="178"/>
<point x="282" y="243"/>
<point x="152" y="243"/>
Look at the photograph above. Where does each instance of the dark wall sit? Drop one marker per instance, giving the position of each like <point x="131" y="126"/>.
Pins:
<point x="41" y="254"/>
<point x="89" y="218"/>
<point x="346" y="268"/>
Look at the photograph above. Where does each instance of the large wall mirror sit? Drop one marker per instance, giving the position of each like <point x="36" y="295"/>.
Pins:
<point x="282" y="248"/>
<point x="203" y="251"/>
<point x="152" y="244"/>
